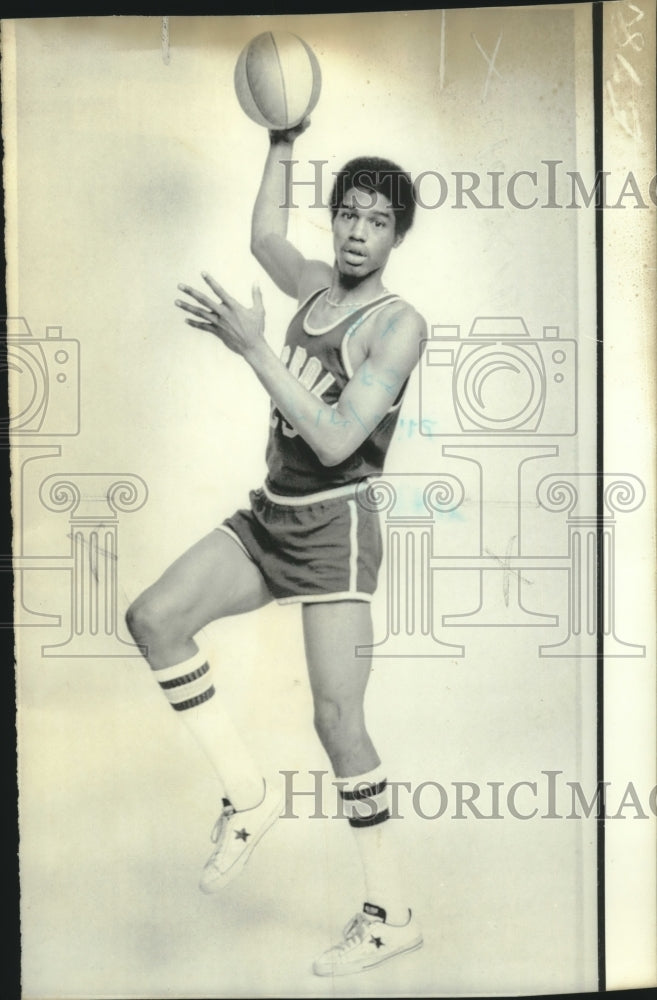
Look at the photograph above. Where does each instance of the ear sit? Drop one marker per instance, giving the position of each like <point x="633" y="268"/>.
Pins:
<point x="398" y="239"/>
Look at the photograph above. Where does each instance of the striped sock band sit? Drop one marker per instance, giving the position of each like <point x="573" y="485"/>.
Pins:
<point x="186" y="684"/>
<point x="365" y="798"/>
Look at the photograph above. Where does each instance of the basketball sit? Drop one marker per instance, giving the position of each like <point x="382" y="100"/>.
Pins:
<point x="277" y="79"/>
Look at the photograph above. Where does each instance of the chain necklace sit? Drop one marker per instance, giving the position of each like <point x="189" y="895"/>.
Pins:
<point x="349" y="305"/>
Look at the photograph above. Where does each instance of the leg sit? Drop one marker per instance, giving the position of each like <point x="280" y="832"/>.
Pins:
<point x="338" y="679"/>
<point x="213" y="579"/>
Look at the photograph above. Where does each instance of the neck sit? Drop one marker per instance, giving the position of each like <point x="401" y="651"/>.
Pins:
<point x="351" y="291"/>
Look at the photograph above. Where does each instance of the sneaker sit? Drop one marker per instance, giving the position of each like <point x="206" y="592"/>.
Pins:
<point x="235" y="834"/>
<point x="368" y="941"/>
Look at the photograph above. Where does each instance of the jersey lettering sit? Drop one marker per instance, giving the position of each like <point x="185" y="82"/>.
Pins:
<point x="297" y="361"/>
<point x="311" y="376"/>
<point x="311" y="372"/>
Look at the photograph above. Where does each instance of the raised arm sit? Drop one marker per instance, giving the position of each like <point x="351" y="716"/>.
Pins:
<point x="285" y="265"/>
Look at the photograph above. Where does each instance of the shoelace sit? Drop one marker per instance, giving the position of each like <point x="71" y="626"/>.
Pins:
<point x="219" y="828"/>
<point x="354" y="932"/>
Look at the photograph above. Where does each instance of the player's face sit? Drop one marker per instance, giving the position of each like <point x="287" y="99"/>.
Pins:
<point x="363" y="233"/>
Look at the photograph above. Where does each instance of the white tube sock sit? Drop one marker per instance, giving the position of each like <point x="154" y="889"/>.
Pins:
<point x="189" y="689"/>
<point x="366" y="803"/>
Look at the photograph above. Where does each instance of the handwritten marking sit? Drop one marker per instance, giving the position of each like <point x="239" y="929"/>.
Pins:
<point x="390" y="325"/>
<point x="344" y="422"/>
<point x="626" y="25"/>
<point x="621" y="115"/>
<point x="508" y="570"/>
<point x="411" y="427"/>
<point x="625" y="77"/>
<point x="365" y="377"/>
<point x="368" y="379"/>
<point x="353" y="328"/>
<point x="355" y="413"/>
<point x="631" y="72"/>
<point x="491" y="62"/>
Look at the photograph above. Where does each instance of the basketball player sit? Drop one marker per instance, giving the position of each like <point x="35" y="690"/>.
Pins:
<point x="335" y="397"/>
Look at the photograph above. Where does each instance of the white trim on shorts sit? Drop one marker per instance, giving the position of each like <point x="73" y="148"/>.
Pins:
<point x="227" y="530"/>
<point x="345" y="595"/>
<point x="302" y="501"/>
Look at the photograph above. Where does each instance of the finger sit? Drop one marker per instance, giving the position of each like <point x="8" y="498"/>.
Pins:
<point x="218" y="328"/>
<point x="219" y="291"/>
<point x="256" y="295"/>
<point x="195" y="310"/>
<point x="201" y="326"/>
<point x="289" y="134"/>
<point x="201" y="298"/>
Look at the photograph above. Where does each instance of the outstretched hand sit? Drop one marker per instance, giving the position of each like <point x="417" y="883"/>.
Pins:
<point x="240" y="328"/>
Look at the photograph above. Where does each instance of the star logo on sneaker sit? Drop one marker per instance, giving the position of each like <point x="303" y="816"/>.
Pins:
<point x="363" y="947"/>
<point x="234" y="844"/>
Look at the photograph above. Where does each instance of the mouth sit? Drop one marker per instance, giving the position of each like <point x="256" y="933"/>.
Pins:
<point x="353" y="256"/>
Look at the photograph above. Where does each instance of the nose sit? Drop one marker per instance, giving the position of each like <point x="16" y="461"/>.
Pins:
<point x="358" y="229"/>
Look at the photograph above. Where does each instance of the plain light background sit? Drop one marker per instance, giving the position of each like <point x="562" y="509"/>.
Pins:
<point x="134" y="174"/>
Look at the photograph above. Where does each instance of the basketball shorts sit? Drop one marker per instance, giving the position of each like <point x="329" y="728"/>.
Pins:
<point x="323" y="547"/>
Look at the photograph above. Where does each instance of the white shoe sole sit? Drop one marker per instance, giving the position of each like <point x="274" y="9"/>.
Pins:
<point x="347" y="970"/>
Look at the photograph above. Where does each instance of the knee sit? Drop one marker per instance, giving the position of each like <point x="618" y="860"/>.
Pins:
<point x="146" y="619"/>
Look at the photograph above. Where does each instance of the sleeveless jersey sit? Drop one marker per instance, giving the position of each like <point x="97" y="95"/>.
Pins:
<point x="320" y="360"/>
